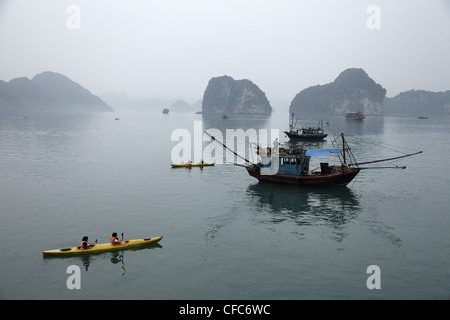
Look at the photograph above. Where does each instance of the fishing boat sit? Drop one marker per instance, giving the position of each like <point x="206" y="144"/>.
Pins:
<point x="357" y="115"/>
<point x="305" y="133"/>
<point x="102" y="247"/>
<point x="291" y="166"/>
<point x="189" y="165"/>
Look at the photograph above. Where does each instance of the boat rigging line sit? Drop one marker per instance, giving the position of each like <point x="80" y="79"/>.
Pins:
<point x="232" y="151"/>
<point x="354" y="163"/>
<point x="388" y="159"/>
<point x="389" y="167"/>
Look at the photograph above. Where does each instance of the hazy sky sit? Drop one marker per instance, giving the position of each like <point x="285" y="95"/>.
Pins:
<point x="171" y="48"/>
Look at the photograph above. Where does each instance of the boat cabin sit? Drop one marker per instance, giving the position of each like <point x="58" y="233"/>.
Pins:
<point x="293" y="164"/>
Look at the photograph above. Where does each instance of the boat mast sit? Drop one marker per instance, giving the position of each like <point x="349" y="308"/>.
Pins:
<point x="343" y="147"/>
<point x="291" y="123"/>
<point x="347" y="153"/>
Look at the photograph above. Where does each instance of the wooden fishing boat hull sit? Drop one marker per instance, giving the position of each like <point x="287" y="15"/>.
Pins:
<point x="306" y="136"/>
<point x="186" y="165"/>
<point x="102" y="247"/>
<point x="318" y="179"/>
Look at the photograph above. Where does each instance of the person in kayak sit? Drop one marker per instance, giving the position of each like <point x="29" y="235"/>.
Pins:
<point x="116" y="240"/>
<point x="85" y="243"/>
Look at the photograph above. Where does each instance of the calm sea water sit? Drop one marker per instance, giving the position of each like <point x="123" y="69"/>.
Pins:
<point x="226" y="236"/>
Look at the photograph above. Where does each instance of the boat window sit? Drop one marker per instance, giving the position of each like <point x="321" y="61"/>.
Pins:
<point x="290" y="161"/>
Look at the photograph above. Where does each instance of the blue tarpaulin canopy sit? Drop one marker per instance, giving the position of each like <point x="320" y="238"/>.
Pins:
<point x="321" y="152"/>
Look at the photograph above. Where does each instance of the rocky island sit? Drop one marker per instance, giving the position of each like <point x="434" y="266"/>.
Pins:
<point x="48" y="92"/>
<point x="353" y="90"/>
<point x="224" y="95"/>
<point x="419" y="102"/>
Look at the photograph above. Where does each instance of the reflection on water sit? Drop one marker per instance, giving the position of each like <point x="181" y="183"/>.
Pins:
<point x="44" y="140"/>
<point x="307" y="144"/>
<point x="117" y="257"/>
<point x="371" y="125"/>
<point x="331" y="207"/>
<point x="244" y="121"/>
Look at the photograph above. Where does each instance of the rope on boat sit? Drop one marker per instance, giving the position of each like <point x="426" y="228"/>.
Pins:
<point x="356" y="164"/>
<point x="388" y="159"/>
<point x="232" y="151"/>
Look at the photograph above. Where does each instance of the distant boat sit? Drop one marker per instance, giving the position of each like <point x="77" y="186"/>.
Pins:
<point x="305" y="133"/>
<point x="422" y="117"/>
<point x="224" y="116"/>
<point x="165" y="111"/>
<point x="190" y="165"/>
<point x="117" y="119"/>
<point x="358" y="115"/>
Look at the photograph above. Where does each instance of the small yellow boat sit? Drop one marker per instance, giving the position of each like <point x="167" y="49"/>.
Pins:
<point x="189" y="165"/>
<point x="102" y="247"/>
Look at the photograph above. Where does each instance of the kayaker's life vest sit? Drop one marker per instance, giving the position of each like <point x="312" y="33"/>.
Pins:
<point x="114" y="240"/>
<point x="82" y="246"/>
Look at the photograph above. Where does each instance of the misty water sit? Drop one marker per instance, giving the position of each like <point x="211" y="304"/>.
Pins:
<point x="226" y="236"/>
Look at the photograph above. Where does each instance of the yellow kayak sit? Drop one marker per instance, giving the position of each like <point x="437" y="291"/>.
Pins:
<point x="102" y="247"/>
<point x="189" y="165"/>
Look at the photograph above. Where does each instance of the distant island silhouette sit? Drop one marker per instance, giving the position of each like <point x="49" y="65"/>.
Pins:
<point x="353" y="90"/>
<point x="418" y="103"/>
<point x="48" y="92"/>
